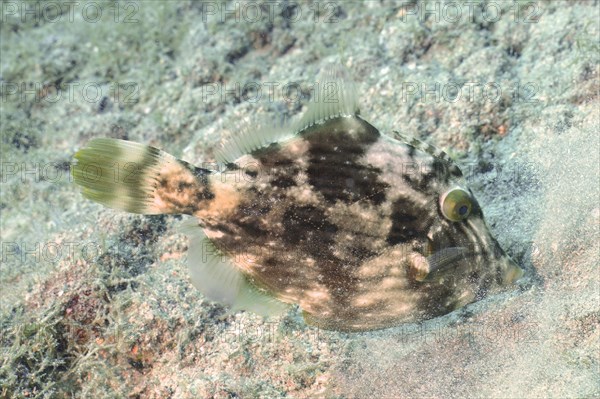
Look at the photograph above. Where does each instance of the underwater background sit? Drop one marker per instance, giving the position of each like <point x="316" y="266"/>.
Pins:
<point x="97" y="303"/>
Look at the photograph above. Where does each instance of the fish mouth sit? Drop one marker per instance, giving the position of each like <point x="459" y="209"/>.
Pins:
<point x="513" y="272"/>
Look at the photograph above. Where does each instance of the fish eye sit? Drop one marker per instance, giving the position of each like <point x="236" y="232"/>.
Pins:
<point x="456" y="204"/>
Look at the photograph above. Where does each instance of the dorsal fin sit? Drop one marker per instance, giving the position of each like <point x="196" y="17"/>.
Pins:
<point x="335" y="95"/>
<point x="430" y="149"/>
<point x="251" y="134"/>
<point x="221" y="281"/>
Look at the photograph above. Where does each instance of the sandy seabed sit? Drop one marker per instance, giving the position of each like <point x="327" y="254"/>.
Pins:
<point x="97" y="303"/>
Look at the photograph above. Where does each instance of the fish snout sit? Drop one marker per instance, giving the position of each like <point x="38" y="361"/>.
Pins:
<point x="512" y="271"/>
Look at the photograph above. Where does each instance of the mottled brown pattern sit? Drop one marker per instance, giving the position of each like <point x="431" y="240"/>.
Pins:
<point x="333" y="168"/>
<point x="335" y="223"/>
<point x="182" y="190"/>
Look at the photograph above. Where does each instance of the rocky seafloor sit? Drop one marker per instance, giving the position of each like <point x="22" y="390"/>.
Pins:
<point x="97" y="303"/>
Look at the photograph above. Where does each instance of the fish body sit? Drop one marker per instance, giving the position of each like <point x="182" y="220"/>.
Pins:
<point x="363" y="230"/>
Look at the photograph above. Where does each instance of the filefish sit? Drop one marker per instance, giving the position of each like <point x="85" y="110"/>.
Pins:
<point x="362" y="229"/>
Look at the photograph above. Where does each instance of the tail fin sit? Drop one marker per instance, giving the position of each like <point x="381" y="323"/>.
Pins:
<point x="140" y="179"/>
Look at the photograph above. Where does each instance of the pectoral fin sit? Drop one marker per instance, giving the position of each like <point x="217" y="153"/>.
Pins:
<point x="221" y="281"/>
<point x="425" y="269"/>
